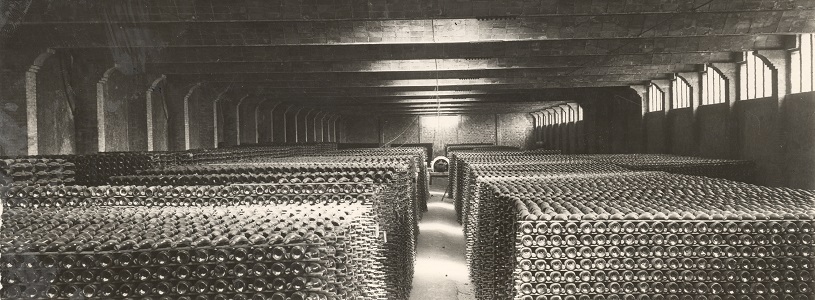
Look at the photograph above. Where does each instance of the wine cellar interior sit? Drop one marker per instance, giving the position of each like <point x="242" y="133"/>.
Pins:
<point x="407" y="149"/>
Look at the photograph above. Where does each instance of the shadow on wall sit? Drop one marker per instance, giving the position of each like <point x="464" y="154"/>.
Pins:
<point x="798" y="121"/>
<point x="13" y="139"/>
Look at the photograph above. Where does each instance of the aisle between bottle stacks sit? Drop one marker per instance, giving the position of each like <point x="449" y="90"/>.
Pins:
<point x="441" y="271"/>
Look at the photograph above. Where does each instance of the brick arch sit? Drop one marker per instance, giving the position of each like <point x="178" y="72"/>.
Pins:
<point x="317" y="132"/>
<point x="247" y="119"/>
<point x="192" y="133"/>
<point x="157" y="115"/>
<point x="302" y="124"/>
<point x="49" y="108"/>
<point x="218" y="118"/>
<point x="101" y="115"/>
<point x="121" y="111"/>
<point x="278" y="132"/>
<point x="264" y="120"/>
<point x="291" y="123"/>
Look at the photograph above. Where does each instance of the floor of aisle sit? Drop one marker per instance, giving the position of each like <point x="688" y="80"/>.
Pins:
<point x="441" y="270"/>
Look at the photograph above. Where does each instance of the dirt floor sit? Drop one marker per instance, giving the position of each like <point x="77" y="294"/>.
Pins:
<point x="441" y="270"/>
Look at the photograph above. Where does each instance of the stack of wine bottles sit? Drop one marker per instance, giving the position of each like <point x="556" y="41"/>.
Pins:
<point x="551" y="166"/>
<point x="548" y="166"/>
<point x="387" y="170"/>
<point x="253" y="152"/>
<point x="43" y="171"/>
<point x="257" y="173"/>
<point x="415" y="156"/>
<point x="641" y="235"/>
<point x="497" y="159"/>
<point x="268" y="241"/>
<point x="485" y="154"/>
<point x="736" y="170"/>
<point x="394" y="176"/>
<point x="94" y="169"/>
<point x="204" y="156"/>
<point x="458" y="161"/>
<point x="476" y="147"/>
<point x="185" y="252"/>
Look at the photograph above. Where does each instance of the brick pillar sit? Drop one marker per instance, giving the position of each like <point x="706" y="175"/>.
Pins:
<point x="192" y="133"/>
<point x="265" y="120"/>
<point x="33" y="100"/>
<point x="157" y="116"/>
<point x="279" y="123"/>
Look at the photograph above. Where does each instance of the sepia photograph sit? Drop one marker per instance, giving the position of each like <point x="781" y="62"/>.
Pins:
<point x="407" y="149"/>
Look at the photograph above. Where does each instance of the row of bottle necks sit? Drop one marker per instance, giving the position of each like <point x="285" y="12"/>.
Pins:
<point x="29" y="192"/>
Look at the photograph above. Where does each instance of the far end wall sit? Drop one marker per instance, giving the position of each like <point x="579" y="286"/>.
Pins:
<point x="500" y="129"/>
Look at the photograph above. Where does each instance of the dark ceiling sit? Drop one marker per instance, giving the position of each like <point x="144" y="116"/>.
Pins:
<point x="414" y="56"/>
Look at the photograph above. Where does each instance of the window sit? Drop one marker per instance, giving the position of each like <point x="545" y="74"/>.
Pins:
<point x="656" y="98"/>
<point x="562" y="114"/>
<point x="714" y="86"/>
<point x="441" y="122"/>
<point x="803" y="64"/>
<point x="579" y="113"/>
<point x="682" y="94"/>
<point x="756" y="77"/>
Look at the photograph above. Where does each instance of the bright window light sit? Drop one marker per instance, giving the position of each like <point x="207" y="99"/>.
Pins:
<point x="756" y="77"/>
<point x="682" y="92"/>
<point x="656" y="98"/>
<point x="442" y="122"/>
<point x="714" y="86"/>
<point x="803" y="65"/>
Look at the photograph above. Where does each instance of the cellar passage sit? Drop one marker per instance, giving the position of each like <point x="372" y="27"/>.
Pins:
<point x="396" y="150"/>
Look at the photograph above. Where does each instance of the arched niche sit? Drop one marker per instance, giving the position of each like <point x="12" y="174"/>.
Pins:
<point x="157" y="115"/>
<point x="121" y="111"/>
<point x="49" y="107"/>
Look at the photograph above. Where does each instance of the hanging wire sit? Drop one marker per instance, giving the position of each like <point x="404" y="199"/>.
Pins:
<point x="401" y="133"/>
<point x="436" y="73"/>
<point x="436" y="95"/>
<point x="436" y="92"/>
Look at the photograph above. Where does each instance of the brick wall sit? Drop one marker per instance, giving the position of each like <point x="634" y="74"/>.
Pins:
<point x="265" y="121"/>
<point x="54" y="107"/>
<point x="291" y="124"/>
<point x="202" y="120"/>
<point x="279" y="124"/>
<point x="400" y="129"/>
<point x="682" y="134"/>
<point x="439" y="134"/>
<point x="85" y="71"/>
<point x="302" y="126"/>
<point x="799" y="140"/>
<point x="477" y="129"/>
<point x="125" y="114"/>
<point x="247" y="121"/>
<point x="158" y="94"/>
<point x="360" y="130"/>
<point x="13" y="66"/>
<point x="514" y="130"/>
<point x="775" y="134"/>
<point x="511" y="129"/>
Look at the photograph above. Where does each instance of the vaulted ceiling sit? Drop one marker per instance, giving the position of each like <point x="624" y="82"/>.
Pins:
<point x="415" y="56"/>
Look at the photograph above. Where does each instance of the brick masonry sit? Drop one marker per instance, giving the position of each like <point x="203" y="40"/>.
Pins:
<point x="511" y="54"/>
<point x="511" y="130"/>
